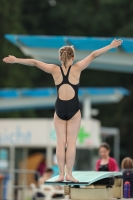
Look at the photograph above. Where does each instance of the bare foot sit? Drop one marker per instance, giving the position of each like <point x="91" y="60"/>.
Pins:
<point x="71" y="178"/>
<point x="61" y="178"/>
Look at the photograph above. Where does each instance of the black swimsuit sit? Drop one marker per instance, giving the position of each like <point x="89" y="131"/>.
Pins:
<point x="103" y="168"/>
<point x="66" y="109"/>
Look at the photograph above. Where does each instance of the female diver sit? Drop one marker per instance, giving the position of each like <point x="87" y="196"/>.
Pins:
<point x="67" y="115"/>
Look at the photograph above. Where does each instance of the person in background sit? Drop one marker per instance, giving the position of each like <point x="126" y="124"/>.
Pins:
<point x="127" y="163"/>
<point x="42" y="166"/>
<point x="127" y="168"/>
<point x="46" y="175"/>
<point x="106" y="163"/>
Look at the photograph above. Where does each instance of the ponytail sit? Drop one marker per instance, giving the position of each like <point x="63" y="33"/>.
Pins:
<point x="64" y="58"/>
<point x="66" y="53"/>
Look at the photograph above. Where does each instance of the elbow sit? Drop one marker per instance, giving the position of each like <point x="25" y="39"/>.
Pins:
<point x="34" y="62"/>
<point x="93" y="54"/>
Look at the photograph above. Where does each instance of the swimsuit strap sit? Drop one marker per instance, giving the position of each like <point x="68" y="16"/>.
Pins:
<point x="67" y="71"/>
<point x="62" y="71"/>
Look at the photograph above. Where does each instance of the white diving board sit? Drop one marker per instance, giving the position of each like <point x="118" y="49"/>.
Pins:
<point x="84" y="177"/>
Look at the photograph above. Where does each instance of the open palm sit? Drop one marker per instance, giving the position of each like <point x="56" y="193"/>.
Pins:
<point x="115" y="43"/>
<point x="9" y="59"/>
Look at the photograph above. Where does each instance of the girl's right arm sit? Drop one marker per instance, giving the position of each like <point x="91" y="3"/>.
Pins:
<point x="30" y="62"/>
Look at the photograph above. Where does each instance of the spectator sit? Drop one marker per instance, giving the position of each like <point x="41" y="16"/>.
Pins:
<point x="127" y="163"/>
<point x="106" y="163"/>
<point x="42" y="166"/>
<point x="127" y="168"/>
<point x="47" y="175"/>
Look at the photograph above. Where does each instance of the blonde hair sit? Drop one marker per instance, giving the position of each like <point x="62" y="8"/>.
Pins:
<point x="127" y="163"/>
<point x="66" y="53"/>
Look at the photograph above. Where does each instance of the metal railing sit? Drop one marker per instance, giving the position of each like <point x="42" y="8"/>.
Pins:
<point x="15" y="176"/>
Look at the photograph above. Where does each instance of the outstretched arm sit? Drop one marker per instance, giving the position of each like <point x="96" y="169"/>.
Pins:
<point x="30" y="62"/>
<point x="86" y="61"/>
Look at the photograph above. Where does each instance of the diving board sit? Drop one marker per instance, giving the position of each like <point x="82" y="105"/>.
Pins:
<point x="44" y="48"/>
<point x="92" y="185"/>
<point x="84" y="177"/>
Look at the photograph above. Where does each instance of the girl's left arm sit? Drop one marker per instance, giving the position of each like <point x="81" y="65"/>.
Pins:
<point x="86" y="61"/>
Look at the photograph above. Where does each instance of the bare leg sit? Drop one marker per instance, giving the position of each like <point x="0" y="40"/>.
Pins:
<point x="60" y="127"/>
<point x="73" y="126"/>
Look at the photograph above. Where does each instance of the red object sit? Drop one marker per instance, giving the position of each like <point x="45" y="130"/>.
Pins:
<point x="42" y="168"/>
<point x="112" y="165"/>
<point x="1" y="177"/>
<point x="127" y="182"/>
<point x="127" y="189"/>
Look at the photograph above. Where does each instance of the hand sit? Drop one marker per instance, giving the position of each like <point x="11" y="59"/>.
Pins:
<point x="10" y="59"/>
<point x="115" y="43"/>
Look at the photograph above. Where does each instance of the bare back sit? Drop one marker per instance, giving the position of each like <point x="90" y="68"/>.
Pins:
<point x="66" y="92"/>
